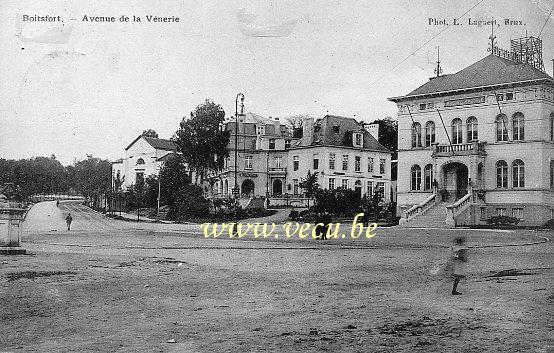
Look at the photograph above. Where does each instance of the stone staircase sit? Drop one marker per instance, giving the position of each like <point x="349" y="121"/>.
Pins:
<point x="434" y="217"/>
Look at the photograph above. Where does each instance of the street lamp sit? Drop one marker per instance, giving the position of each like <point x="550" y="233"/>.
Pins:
<point x="236" y="188"/>
<point x="159" y="190"/>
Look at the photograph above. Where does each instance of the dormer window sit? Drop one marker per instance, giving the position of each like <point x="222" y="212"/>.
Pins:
<point x="358" y="139"/>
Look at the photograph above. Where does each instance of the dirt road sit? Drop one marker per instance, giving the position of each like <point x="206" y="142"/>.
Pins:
<point x="110" y="286"/>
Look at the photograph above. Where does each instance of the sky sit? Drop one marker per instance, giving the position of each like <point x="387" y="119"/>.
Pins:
<point x="78" y="88"/>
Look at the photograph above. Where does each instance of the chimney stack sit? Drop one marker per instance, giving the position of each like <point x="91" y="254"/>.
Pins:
<point x="307" y="131"/>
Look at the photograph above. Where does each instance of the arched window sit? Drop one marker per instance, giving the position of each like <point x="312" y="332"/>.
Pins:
<point x="416" y="135"/>
<point x="518" y="174"/>
<point x="140" y="161"/>
<point x="501" y="127"/>
<point x="501" y="174"/>
<point x="519" y="126"/>
<point x="552" y="126"/>
<point x="457" y="133"/>
<point x="416" y="177"/>
<point x="471" y="124"/>
<point x="428" y="177"/>
<point x="429" y="133"/>
<point x="552" y="174"/>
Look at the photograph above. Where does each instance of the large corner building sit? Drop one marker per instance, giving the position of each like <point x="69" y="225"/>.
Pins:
<point x="479" y="143"/>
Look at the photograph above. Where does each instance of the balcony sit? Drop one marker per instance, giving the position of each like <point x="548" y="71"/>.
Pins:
<point x="277" y="171"/>
<point x="463" y="149"/>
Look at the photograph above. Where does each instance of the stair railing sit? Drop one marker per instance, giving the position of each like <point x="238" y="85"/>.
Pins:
<point x="452" y="211"/>
<point x="419" y="208"/>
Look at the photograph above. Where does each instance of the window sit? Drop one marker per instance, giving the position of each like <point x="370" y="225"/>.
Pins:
<point x="457" y="131"/>
<point x="430" y="105"/>
<point x="247" y="162"/>
<point x="345" y="162"/>
<point x="519" y="126"/>
<point x="370" y="165"/>
<point x="499" y="97"/>
<point x="552" y="174"/>
<point x="271" y="144"/>
<point x="316" y="161"/>
<point x="416" y="135"/>
<point x="357" y="164"/>
<point x="139" y="178"/>
<point x="369" y="188"/>
<point x="483" y="213"/>
<point x="517" y="213"/>
<point x="358" y="140"/>
<point x="518" y="174"/>
<point x="336" y="129"/>
<point x="140" y="161"/>
<point x="345" y="183"/>
<point x="509" y="96"/>
<point x="260" y="130"/>
<point x="429" y="133"/>
<point x="382" y="165"/>
<point x="332" y="161"/>
<point x="295" y="186"/>
<point x="552" y="126"/>
<point x="423" y="106"/>
<point x="500" y="211"/>
<point x="331" y="183"/>
<point x="428" y="177"/>
<point x="295" y="163"/>
<point x="416" y="177"/>
<point x="501" y="174"/>
<point x="278" y="162"/>
<point x="380" y="189"/>
<point x="501" y="129"/>
<point x="471" y="124"/>
<point x="287" y="143"/>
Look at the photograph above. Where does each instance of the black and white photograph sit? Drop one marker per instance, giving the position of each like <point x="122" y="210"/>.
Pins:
<point x="276" y="176"/>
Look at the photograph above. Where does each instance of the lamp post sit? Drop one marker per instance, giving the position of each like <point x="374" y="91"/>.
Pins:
<point x="159" y="190"/>
<point x="236" y="188"/>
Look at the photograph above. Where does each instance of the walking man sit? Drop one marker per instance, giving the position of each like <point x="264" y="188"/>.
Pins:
<point x="458" y="260"/>
<point x="68" y="220"/>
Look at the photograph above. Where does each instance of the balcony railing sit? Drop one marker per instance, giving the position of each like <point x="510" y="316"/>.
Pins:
<point x="277" y="170"/>
<point x="460" y="149"/>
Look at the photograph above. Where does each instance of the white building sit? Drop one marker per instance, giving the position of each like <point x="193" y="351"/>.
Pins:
<point x="143" y="157"/>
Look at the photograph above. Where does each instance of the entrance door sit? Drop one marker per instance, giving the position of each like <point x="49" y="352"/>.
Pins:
<point x="277" y="187"/>
<point x="247" y="187"/>
<point x="455" y="176"/>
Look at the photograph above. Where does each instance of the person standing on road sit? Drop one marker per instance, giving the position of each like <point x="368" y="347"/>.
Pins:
<point x="457" y="262"/>
<point x="58" y="203"/>
<point x="68" y="220"/>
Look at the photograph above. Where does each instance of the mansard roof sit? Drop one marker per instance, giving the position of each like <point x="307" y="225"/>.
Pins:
<point x="491" y="71"/>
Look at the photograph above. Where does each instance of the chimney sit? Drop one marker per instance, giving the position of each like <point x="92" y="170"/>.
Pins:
<point x="307" y="131"/>
<point x="373" y="130"/>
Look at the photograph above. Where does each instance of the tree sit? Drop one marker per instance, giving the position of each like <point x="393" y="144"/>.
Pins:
<point x="310" y="185"/>
<point x="150" y="133"/>
<point x="201" y="141"/>
<point x="295" y="124"/>
<point x="174" y="176"/>
<point x="93" y="178"/>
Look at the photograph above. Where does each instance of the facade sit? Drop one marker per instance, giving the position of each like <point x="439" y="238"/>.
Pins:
<point x="272" y="163"/>
<point x="143" y="157"/>
<point x="482" y="138"/>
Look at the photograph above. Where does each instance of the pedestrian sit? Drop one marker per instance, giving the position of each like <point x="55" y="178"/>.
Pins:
<point x="68" y="220"/>
<point x="58" y="203"/>
<point x="457" y="262"/>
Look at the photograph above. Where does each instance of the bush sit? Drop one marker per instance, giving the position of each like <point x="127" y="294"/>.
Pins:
<point x="503" y="221"/>
<point x="293" y="215"/>
<point x="549" y="224"/>
<point x="190" y="203"/>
